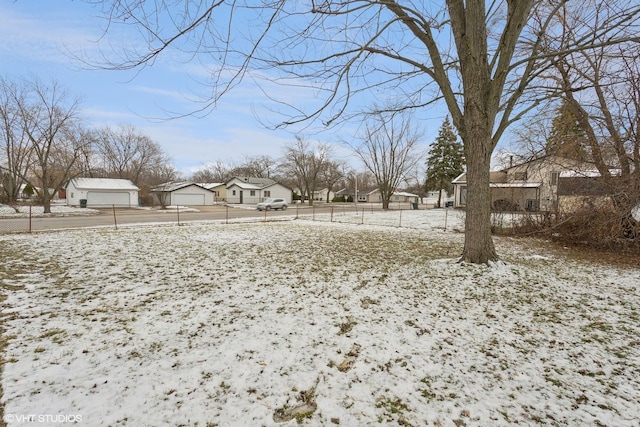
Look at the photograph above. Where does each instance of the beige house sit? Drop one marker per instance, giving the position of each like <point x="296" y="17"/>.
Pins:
<point x="531" y="186"/>
<point x="219" y="190"/>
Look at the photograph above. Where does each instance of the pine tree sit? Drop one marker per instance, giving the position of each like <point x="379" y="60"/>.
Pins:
<point x="567" y="138"/>
<point x="446" y="161"/>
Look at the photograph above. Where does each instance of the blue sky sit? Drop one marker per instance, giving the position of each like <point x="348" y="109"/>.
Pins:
<point x="41" y="38"/>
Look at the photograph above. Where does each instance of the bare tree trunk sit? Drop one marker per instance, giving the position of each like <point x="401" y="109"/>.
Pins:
<point x="478" y="244"/>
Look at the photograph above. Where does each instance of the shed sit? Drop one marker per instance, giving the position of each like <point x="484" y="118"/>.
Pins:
<point x="102" y="192"/>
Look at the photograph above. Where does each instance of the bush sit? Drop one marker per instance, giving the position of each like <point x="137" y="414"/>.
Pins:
<point x="599" y="226"/>
<point x="338" y="199"/>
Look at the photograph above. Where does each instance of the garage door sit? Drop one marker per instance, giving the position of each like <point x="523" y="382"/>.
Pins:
<point x="188" y="199"/>
<point x="106" y="198"/>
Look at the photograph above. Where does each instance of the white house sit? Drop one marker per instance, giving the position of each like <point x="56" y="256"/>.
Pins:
<point x="397" y="197"/>
<point x="183" y="193"/>
<point x="247" y="190"/>
<point x="102" y="192"/>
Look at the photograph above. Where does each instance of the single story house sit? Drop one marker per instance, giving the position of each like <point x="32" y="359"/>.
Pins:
<point x="319" y="195"/>
<point x="102" y="192"/>
<point x="348" y="194"/>
<point x="397" y="197"/>
<point x="531" y="186"/>
<point x="219" y="190"/>
<point x="247" y="190"/>
<point x="432" y="197"/>
<point x="373" y="196"/>
<point x="182" y="193"/>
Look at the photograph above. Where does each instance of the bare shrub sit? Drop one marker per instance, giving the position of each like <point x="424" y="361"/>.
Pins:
<point x="520" y="223"/>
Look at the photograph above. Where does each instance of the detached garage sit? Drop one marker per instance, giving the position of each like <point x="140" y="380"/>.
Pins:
<point x="183" y="194"/>
<point x="102" y="192"/>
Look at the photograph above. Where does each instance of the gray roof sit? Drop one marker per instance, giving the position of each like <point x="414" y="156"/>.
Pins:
<point x="173" y="186"/>
<point x="103" y="184"/>
<point x="258" y="182"/>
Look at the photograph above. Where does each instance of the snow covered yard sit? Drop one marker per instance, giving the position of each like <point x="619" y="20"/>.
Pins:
<point x="316" y="323"/>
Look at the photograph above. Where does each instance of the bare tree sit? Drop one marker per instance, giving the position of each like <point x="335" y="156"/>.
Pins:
<point x="16" y="154"/>
<point x="126" y="153"/>
<point x="304" y="162"/>
<point x="478" y="57"/>
<point x="49" y="120"/>
<point x="213" y="172"/>
<point x="255" y="166"/>
<point x="388" y="148"/>
<point x="332" y="173"/>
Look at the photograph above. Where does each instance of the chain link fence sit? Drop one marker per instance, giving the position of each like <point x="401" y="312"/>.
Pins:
<point x="28" y="218"/>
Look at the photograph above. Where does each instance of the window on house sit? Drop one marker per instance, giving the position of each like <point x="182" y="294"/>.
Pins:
<point x="463" y="196"/>
<point x="267" y="193"/>
<point x="233" y="192"/>
<point x="253" y="192"/>
<point x="520" y="176"/>
<point x="554" y="178"/>
<point x="532" y="205"/>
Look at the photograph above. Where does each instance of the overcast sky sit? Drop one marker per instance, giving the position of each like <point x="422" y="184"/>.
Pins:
<point x="41" y="38"/>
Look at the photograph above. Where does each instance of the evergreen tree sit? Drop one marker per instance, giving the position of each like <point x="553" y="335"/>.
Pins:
<point x="567" y="138"/>
<point x="446" y="161"/>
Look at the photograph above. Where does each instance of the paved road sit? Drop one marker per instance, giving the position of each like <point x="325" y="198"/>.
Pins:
<point x="136" y="216"/>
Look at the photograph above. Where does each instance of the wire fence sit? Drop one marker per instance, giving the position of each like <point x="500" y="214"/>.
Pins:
<point x="28" y="219"/>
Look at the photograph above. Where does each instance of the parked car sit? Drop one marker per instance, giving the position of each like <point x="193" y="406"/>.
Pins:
<point x="274" y="204"/>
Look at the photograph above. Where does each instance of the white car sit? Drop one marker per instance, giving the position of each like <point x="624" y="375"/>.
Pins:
<point x="274" y="204"/>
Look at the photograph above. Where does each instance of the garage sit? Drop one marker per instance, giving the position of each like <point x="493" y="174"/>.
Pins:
<point x="183" y="193"/>
<point x="188" y="199"/>
<point x="95" y="198"/>
<point x="101" y="192"/>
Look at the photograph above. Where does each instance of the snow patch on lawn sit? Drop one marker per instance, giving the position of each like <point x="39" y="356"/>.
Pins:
<point x="349" y="324"/>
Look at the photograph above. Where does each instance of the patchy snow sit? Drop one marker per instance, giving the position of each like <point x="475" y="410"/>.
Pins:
<point x="337" y="323"/>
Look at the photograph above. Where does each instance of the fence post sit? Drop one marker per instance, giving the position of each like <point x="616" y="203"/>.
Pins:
<point x="115" y="221"/>
<point x="178" y="211"/>
<point x="362" y="220"/>
<point x="227" y="217"/>
<point x="296" y="210"/>
<point x="313" y="213"/>
<point x="400" y="221"/>
<point x="30" y="215"/>
<point x="446" y="214"/>
<point x="331" y="214"/>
